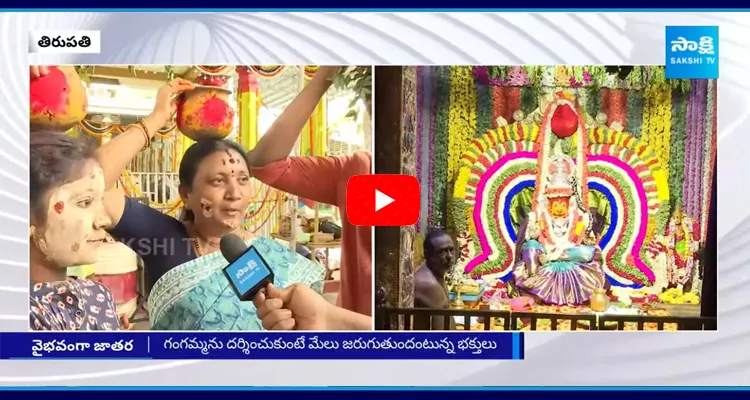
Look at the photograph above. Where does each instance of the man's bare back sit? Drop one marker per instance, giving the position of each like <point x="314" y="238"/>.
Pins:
<point x="430" y="293"/>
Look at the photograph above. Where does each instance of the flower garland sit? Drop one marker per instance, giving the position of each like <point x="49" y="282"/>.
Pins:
<point x="440" y="146"/>
<point x="692" y="191"/>
<point x="562" y="76"/>
<point x="268" y="71"/>
<point x="512" y="99"/>
<point x="502" y="258"/>
<point x="528" y="100"/>
<point x="711" y="159"/>
<point x="517" y="77"/>
<point x="617" y="110"/>
<point x="483" y="109"/>
<point x="459" y="214"/>
<point x="102" y="130"/>
<point x="420" y="137"/>
<point x="431" y="141"/>
<point x="635" y="112"/>
<point x="709" y="151"/>
<point x="593" y="100"/>
<point x="99" y="131"/>
<point x="462" y="117"/>
<point x="581" y="77"/>
<point x="676" y="166"/>
<point x="644" y="160"/>
<point x="657" y="121"/>
<point x="619" y="257"/>
<point x="498" y="104"/>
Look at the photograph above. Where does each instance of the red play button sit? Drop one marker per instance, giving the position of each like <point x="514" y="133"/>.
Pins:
<point x="382" y="200"/>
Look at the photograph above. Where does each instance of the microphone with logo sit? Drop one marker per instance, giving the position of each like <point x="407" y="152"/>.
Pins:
<point x="247" y="271"/>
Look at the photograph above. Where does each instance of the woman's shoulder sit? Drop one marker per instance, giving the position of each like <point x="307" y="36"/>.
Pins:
<point x="141" y="221"/>
<point x="92" y="285"/>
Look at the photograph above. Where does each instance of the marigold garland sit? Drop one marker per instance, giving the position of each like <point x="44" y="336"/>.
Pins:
<point x="617" y="107"/>
<point x="462" y="116"/>
<point x="657" y="121"/>
<point x="676" y="166"/>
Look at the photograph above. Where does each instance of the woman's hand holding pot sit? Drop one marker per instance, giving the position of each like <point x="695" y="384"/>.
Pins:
<point x="166" y="100"/>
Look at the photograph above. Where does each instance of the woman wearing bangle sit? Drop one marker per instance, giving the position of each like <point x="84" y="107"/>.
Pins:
<point x="186" y="285"/>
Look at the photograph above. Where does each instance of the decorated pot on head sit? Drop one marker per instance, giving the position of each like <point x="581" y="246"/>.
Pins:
<point x="58" y="100"/>
<point x="205" y="113"/>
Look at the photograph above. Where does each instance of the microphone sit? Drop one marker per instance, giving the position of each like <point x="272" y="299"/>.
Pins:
<point x="232" y="247"/>
<point x="247" y="272"/>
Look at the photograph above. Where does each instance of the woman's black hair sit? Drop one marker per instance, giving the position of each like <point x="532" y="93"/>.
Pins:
<point x="54" y="159"/>
<point x="195" y="155"/>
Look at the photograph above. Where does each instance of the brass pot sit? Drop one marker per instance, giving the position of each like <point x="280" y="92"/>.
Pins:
<point x="205" y="113"/>
<point x="599" y="301"/>
<point x="58" y="100"/>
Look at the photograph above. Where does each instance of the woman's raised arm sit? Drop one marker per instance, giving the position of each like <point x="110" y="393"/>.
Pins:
<point x="278" y="142"/>
<point x="115" y="156"/>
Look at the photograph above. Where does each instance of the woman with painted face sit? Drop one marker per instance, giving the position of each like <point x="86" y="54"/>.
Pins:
<point x="67" y="225"/>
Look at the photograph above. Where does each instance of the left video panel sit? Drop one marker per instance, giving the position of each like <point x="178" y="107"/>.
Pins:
<point x="170" y="197"/>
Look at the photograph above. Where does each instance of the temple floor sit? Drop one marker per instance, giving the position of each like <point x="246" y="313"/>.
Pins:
<point x="564" y="325"/>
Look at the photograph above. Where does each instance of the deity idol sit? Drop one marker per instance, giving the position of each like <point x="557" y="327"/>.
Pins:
<point x="557" y="259"/>
<point x="682" y="249"/>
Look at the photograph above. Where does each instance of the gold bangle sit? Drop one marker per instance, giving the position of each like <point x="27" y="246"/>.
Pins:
<point x="143" y="131"/>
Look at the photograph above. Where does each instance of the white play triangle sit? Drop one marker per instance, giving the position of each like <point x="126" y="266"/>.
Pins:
<point x="382" y="200"/>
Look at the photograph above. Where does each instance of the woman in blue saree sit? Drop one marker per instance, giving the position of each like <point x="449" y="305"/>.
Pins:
<point x="197" y="296"/>
<point x="188" y="290"/>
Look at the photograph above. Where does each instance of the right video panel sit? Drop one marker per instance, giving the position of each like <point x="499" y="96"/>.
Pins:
<point x="569" y="198"/>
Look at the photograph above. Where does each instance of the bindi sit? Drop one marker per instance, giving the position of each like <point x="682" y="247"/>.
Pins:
<point x="59" y="207"/>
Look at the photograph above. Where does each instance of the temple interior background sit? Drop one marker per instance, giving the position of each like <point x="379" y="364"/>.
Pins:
<point x="479" y="138"/>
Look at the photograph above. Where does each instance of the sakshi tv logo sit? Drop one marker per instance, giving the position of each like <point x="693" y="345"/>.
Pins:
<point x="692" y="52"/>
<point x="244" y="270"/>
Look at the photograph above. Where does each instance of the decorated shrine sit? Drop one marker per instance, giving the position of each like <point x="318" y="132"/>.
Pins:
<point x="574" y="188"/>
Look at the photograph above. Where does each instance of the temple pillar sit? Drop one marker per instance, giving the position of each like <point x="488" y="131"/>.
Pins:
<point x="395" y="121"/>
